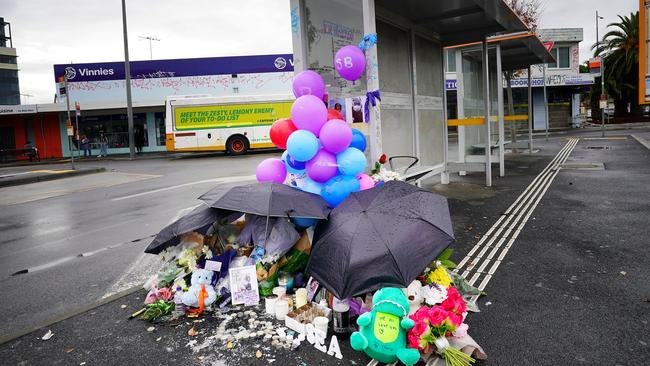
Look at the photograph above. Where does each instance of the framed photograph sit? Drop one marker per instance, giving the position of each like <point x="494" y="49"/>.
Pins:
<point x="243" y="285"/>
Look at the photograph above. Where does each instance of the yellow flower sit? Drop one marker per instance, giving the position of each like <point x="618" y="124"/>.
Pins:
<point x="440" y="277"/>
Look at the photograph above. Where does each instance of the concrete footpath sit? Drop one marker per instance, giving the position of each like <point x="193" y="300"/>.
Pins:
<point x="573" y="289"/>
<point x="18" y="176"/>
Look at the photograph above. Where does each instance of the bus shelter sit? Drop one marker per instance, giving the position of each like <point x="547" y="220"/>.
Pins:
<point x="405" y="66"/>
<point x="480" y="105"/>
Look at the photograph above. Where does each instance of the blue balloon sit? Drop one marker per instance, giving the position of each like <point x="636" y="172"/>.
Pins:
<point x="302" y="145"/>
<point x="351" y="161"/>
<point x="339" y="188"/>
<point x="358" y="140"/>
<point x="311" y="186"/>
<point x="304" y="222"/>
<point x="293" y="166"/>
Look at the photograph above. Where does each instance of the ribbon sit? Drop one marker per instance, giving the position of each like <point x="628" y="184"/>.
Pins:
<point x="203" y="294"/>
<point x="371" y="98"/>
<point x="368" y="41"/>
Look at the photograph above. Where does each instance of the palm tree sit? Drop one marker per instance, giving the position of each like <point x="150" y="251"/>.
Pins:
<point x="620" y="49"/>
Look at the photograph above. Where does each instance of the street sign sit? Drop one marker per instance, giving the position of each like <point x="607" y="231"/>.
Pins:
<point x="548" y="46"/>
<point x="603" y="104"/>
<point x="69" y="129"/>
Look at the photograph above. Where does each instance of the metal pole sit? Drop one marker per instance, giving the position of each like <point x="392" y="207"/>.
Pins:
<point x="548" y="122"/>
<point x="76" y="125"/>
<point x="486" y="100"/>
<point x="602" y="78"/>
<point x="150" y="50"/>
<point x="530" y="112"/>
<point x="127" y="74"/>
<point x="444" y="177"/>
<point x="499" y="81"/>
<point x="372" y="81"/>
<point x="68" y="121"/>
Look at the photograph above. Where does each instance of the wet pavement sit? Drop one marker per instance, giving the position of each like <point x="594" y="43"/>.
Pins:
<point x="573" y="289"/>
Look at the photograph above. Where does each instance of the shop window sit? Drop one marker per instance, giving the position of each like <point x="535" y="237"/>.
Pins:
<point x="115" y="127"/>
<point x="561" y="55"/>
<point x="451" y="59"/>
<point x="160" y="128"/>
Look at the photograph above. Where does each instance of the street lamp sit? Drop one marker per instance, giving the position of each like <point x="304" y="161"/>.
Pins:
<point x="127" y="77"/>
<point x="150" y="38"/>
<point x="602" y="76"/>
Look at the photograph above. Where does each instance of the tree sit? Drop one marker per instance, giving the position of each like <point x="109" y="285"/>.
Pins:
<point x="620" y="49"/>
<point x="529" y="11"/>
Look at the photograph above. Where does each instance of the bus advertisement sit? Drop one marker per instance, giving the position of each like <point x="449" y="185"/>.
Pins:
<point x="234" y="124"/>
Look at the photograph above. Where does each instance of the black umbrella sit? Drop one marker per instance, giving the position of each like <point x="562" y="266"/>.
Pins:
<point x="268" y="199"/>
<point x="384" y="236"/>
<point x="200" y="220"/>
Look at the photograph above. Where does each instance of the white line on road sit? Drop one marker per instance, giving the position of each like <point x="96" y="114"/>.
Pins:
<point x="214" y="180"/>
<point x="520" y="210"/>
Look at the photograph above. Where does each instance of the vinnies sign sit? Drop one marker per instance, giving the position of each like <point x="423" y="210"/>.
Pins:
<point x="153" y="81"/>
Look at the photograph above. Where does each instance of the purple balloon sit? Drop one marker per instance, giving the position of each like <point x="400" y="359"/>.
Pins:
<point x="308" y="83"/>
<point x="322" y="167"/>
<point x="309" y="113"/>
<point x="350" y="62"/>
<point x="335" y="135"/>
<point x="271" y="170"/>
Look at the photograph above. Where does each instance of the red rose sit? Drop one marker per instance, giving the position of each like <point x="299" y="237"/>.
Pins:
<point x="382" y="159"/>
<point x="437" y="315"/>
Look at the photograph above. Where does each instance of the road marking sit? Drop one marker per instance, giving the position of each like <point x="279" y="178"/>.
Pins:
<point x="510" y="224"/>
<point x="214" y="180"/>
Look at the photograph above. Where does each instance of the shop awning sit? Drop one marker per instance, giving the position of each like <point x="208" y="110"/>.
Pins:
<point x="457" y="21"/>
<point x="518" y="50"/>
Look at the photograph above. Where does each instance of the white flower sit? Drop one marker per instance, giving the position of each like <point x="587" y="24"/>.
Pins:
<point x="433" y="294"/>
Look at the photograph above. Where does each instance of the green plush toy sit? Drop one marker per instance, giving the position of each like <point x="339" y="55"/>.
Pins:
<point x="382" y="333"/>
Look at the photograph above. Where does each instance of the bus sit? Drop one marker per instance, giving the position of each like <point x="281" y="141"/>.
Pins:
<point x="234" y="124"/>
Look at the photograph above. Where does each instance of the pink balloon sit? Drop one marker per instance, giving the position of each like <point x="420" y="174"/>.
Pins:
<point x="322" y="167"/>
<point x="308" y="83"/>
<point x="309" y="113"/>
<point x="335" y="135"/>
<point x="350" y="62"/>
<point x="271" y="170"/>
<point x="365" y="181"/>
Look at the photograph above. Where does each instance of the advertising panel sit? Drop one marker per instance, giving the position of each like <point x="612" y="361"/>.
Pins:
<point x="231" y="115"/>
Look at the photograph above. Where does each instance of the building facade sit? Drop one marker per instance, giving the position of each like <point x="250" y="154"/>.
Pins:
<point x="9" y="88"/>
<point x="100" y="91"/>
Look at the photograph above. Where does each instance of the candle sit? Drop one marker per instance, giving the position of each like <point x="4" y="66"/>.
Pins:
<point x="301" y="297"/>
<point x="281" y="309"/>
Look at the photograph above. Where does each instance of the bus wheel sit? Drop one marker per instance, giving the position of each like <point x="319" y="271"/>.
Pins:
<point x="237" y="145"/>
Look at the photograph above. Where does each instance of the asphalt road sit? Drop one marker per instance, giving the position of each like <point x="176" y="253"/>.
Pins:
<point x="82" y="238"/>
<point x="574" y="288"/>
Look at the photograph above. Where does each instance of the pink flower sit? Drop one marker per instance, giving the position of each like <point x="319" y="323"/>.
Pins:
<point x="165" y="294"/>
<point x="413" y="341"/>
<point x="420" y="328"/>
<point x="151" y="296"/>
<point x="454" y="301"/>
<point x="461" y="331"/>
<point x="455" y="319"/>
<point x="420" y="315"/>
<point x="437" y="315"/>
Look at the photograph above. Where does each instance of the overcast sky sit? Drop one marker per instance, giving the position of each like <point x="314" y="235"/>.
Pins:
<point x="48" y="32"/>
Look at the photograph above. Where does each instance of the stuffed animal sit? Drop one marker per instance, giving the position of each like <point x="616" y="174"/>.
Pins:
<point x="200" y="293"/>
<point x="382" y="333"/>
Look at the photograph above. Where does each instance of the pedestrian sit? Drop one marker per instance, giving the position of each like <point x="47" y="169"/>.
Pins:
<point x="85" y="146"/>
<point x="103" y="145"/>
<point x="139" y="140"/>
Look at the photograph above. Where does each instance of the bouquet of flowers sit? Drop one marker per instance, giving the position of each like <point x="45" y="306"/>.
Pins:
<point x="435" y="323"/>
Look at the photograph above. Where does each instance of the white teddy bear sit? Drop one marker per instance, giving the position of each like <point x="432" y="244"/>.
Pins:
<point x="201" y="278"/>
